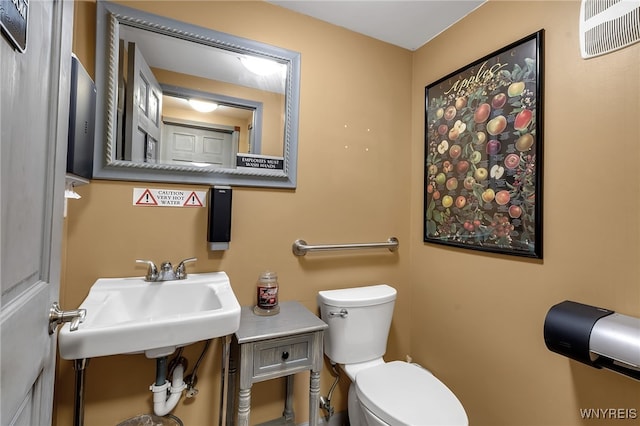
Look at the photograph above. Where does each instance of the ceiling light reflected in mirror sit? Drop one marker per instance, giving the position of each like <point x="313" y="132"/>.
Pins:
<point x="262" y="67"/>
<point x="202" y="106"/>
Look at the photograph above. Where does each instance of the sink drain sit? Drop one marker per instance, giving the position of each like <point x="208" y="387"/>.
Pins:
<point x="152" y="420"/>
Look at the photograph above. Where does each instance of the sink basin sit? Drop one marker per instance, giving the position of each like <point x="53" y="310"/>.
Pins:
<point x="131" y="315"/>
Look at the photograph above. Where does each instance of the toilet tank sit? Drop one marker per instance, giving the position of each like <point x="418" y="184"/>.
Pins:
<point x="359" y="320"/>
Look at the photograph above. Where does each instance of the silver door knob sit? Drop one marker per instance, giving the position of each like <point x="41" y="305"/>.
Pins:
<point x="57" y="316"/>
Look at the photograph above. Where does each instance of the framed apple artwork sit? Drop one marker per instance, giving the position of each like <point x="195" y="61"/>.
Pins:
<point x="483" y="153"/>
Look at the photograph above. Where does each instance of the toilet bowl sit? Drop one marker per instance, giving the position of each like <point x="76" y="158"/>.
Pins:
<point x="398" y="393"/>
<point x="394" y="393"/>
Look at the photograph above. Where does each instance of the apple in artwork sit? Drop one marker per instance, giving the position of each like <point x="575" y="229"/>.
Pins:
<point x="450" y="113"/>
<point x="511" y="161"/>
<point x="496" y="171"/>
<point x="457" y="129"/>
<point x="499" y="100"/>
<point x="515" y="211"/>
<point x="488" y="195"/>
<point x="493" y="147"/>
<point x="523" y="119"/>
<point x="524" y="142"/>
<point x="468" y="182"/>
<point x="462" y="166"/>
<point x="481" y="174"/>
<point x="452" y="184"/>
<point x="516" y="89"/>
<point x="443" y="147"/>
<point x="502" y="197"/>
<point x="496" y="125"/>
<point x="482" y="113"/>
<point x="481" y="137"/>
<point x="455" y="151"/>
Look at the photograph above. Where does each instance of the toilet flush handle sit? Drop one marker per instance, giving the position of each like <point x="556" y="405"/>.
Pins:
<point x="342" y="314"/>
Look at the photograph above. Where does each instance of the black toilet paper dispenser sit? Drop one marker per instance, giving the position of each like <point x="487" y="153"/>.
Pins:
<point x="594" y="336"/>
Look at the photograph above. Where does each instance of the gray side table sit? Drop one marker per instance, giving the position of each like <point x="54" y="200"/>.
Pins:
<point x="275" y="346"/>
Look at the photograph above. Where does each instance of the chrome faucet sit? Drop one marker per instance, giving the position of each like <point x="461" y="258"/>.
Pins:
<point x="181" y="269"/>
<point x="166" y="272"/>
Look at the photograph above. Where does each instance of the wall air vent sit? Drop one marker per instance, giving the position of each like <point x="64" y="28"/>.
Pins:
<point x="608" y="25"/>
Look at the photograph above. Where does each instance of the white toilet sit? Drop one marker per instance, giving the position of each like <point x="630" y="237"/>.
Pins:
<point x="394" y="393"/>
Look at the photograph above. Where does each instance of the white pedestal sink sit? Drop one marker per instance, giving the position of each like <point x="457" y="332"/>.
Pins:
<point x="131" y="315"/>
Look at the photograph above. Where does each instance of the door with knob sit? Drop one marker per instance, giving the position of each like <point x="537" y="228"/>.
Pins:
<point x="34" y="118"/>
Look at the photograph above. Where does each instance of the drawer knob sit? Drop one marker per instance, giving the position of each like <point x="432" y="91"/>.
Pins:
<point x="285" y="355"/>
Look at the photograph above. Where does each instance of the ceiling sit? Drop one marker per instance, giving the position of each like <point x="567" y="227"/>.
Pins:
<point x="408" y="24"/>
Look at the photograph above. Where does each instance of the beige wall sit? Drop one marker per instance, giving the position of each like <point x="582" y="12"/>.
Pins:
<point x="477" y="319"/>
<point x="353" y="186"/>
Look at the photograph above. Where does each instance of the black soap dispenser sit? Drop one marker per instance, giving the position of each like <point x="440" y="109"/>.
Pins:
<point x="219" y="232"/>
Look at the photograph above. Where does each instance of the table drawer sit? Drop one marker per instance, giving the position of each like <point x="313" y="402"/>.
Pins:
<point x="285" y="355"/>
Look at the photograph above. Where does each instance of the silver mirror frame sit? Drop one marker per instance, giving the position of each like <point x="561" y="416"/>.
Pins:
<point x="108" y="19"/>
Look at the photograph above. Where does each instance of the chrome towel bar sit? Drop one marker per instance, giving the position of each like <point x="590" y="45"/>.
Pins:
<point x="300" y="247"/>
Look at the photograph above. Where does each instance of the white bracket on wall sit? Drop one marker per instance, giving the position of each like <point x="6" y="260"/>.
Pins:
<point x="71" y="181"/>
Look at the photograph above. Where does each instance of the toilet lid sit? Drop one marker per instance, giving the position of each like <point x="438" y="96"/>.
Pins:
<point x="404" y="394"/>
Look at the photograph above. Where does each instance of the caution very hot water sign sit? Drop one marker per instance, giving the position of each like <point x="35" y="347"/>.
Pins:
<point x="168" y="198"/>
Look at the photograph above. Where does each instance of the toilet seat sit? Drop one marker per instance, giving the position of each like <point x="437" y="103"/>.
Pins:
<point x="406" y="395"/>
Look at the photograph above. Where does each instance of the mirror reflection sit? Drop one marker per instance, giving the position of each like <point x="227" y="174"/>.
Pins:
<point x="193" y="126"/>
<point x="188" y="101"/>
<point x="199" y="128"/>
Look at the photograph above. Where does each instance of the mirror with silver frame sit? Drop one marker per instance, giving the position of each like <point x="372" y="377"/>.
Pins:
<point x="183" y="103"/>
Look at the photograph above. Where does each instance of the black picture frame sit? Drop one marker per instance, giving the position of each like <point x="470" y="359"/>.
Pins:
<point x="483" y="153"/>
